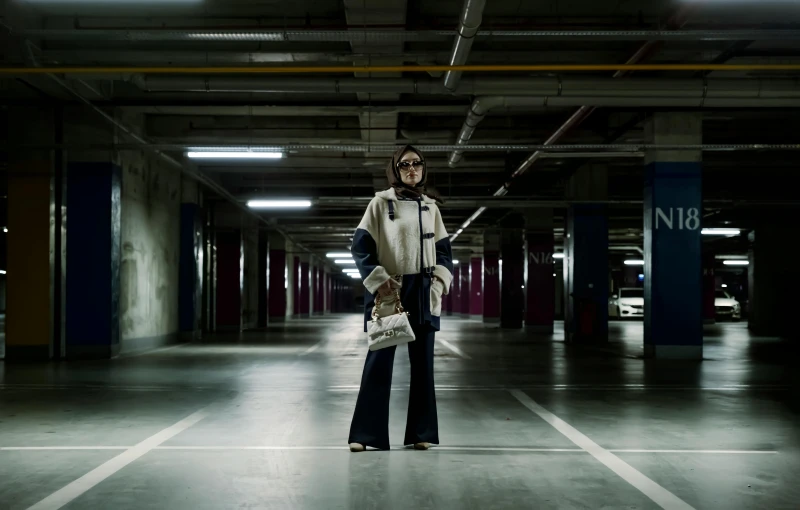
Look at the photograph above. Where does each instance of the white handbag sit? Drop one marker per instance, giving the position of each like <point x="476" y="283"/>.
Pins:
<point x="394" y="329"/>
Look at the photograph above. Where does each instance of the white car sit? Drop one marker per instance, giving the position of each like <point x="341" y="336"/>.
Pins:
<point x="627" y="302"/>
<point x="726" y="306"/>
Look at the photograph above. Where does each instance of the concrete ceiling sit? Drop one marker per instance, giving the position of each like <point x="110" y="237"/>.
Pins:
<point x="264" y="117"/>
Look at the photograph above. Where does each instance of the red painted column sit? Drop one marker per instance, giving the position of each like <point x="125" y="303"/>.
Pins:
<point x="277" y="284"/>
<point x="229" y="281"/>
<point x="314" y="289"/>
<point x="455" y="291"/>
<point x="305" y="289"/>
<point x="491" y="277"/>
<point x="296" y="288"/>
<point x="540" y="288"/>
<point x="466" y="295"/>
<point x="476" y="287"/>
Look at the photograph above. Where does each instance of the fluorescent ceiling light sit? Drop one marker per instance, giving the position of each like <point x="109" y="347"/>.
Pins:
<point x="455" y="262"/>
<point x="634" y="262"/>
<point x="731" y="257"/>
<point x="233" y="155"/>
<point x="345" y="261"/>
<point x="736" y="262"/>
<point x="350" y="270"/>
<point x="5" y="229"/>
<point x="2" y="271"/>
<point x="338" y="254"/>
<point x="724" y="286"/>
<point x="278" y="204"/>
<point x="720" y="231"/>
<point x="355" y="276"/>
<point x="558" y="255"/>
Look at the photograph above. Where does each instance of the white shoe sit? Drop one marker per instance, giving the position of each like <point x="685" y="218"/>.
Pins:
<point x="422" y="446"/>
<point x="357" y="447"/>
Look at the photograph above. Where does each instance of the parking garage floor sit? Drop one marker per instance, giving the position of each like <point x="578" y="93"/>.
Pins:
<point x="260" y="420"/>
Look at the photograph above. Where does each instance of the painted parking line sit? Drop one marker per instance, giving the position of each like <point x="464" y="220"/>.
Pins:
<point x="75" y="489"/>
<point x="439" y="448"/>
<point x="455" y="349"/>
<point x="658" y="494"/>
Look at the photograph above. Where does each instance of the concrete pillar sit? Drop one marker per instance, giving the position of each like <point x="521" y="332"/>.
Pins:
<point x="276" y="275"/>
<point x="709" y="289"/>
<point x="476" y="287"/>
<point x="586" y="258"/>
<point x="305" y="286"/>
<point x="673" y="211"/>
<point x="294" y="286"/>
<point x="491" y="277"/>
<point x="455" y="290"/>
<point x="539" y="281"/>
<point x="210" y="270"/>
<point x="466" y="296"/>
<point x="512" y="275"/>
<point x="33" y="315"/>
<point x="229" y="279"/>
<point x="190" y="262"/>
<point x="262" y="315"/>
<point x="772" y="276"/>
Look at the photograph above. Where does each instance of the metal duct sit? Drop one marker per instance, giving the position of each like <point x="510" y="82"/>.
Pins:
<point x="356" y="35"/>
<point x="468" y="25"/>
<point x="558" y="91"/>
<point x="710" y="95"/>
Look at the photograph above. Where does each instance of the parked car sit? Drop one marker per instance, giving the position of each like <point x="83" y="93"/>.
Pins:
<point x="726" y="306"/>
<point x="627" y="302"/>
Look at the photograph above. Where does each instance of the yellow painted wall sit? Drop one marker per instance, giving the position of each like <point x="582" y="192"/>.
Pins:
<point x="28" y="292"/>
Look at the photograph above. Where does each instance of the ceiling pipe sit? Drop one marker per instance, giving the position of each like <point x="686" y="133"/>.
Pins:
<point x="468" y="25"/>
<point x="644" y="52"/>
<point x="539" y="91"/>
<point x="360" y="35"/>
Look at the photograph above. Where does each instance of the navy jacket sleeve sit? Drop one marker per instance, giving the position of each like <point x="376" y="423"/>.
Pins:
<point x="444" y="253"/>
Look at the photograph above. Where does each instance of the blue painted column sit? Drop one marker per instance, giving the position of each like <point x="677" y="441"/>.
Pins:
<point x="673" y="211"/>
<point x="586" y="257"/>
<point x="586" y="274"/>
<point x="93" y="260"/>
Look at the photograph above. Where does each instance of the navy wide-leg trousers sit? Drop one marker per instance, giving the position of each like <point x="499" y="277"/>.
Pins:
<point x="370" y="425"/>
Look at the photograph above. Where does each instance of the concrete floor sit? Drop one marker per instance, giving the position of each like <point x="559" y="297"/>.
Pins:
<point x="260" y="420"/>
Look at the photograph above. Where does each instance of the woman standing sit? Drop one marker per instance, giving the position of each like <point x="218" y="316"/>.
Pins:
<point x="401" y="243"/>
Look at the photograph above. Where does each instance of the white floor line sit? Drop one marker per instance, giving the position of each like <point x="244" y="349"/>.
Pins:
<point x="65" y="448"/>
<point x="75" y="489"/>
<point x="455" y="349"/>
<point x="313" y="348"/>
<point x="444" y="448"/>
<point x="721" y="452"/>
<point x="661" y="496"/>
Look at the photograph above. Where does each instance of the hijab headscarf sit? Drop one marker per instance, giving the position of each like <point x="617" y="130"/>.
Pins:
<point x="402" y="189"/>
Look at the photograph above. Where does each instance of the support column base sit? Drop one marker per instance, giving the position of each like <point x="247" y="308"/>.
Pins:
<point x="709" y="321"/>
<point x="540" y="328"/>
<point x="279" y="318"/>
<point x="92" y="352"/>
<point x="685" y="352"/>
<point x="27" y="353"/>
<point x="491" y="320"/>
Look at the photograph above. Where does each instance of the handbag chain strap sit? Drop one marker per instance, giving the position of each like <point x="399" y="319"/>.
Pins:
<point x="398" y="307"/>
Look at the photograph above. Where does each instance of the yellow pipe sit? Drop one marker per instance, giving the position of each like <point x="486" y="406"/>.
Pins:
<point x="398" y="69"/>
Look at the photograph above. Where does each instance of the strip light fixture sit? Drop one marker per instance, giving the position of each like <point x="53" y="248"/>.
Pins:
<point x="736" y="262"/>
<point x="338" y="254"/>
<point x="634" y="262"/>
<point x="344" y="261"/>
<point x="233" y="155"/>
<point x="279" y="204"/>
<point x="720" y="231"/>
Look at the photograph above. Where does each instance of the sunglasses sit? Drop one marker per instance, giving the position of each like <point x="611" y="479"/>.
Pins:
<point x="405" y="165"/>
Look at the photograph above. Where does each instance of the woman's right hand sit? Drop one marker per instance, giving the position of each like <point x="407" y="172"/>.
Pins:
<point x="387" y="289"/>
